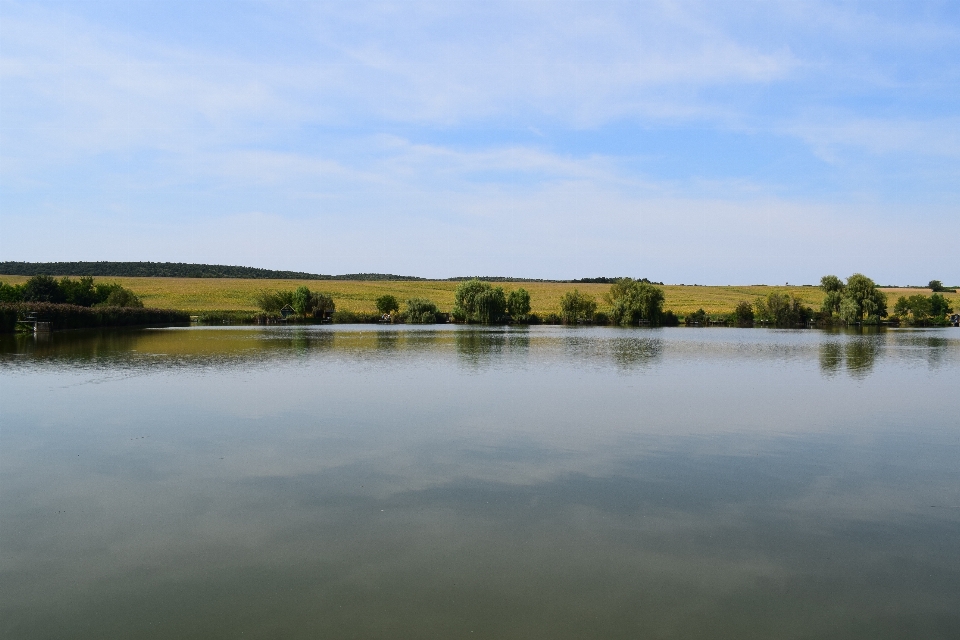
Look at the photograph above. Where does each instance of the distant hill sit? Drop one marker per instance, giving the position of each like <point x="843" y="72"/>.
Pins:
<point x="174" y="270"/>
<point x="190" y="270"/>
<point x="602" y="280"/>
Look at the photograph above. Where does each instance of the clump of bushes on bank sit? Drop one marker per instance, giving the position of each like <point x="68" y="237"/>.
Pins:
<point x="577" y="308"/>
<point x="631" y="303"/>
<point x="922" y="311"/>
<point x="303" y="302"/>
<point x="481" y="302"/>
<point x="423" y="311"/>
<point x="71" y="316"/>
<point x="387" y="305"/>
<point x="858" y="301"/>
<point x="781" y="310"/>
<point x="83" y="292"/>
<point x="742" y="316"/>
<point x="698" y="318"/>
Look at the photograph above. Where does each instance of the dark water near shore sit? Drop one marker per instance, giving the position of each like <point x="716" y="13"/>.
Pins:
<point x="446" y="482"/>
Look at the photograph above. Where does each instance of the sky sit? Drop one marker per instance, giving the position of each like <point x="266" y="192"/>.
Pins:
<point x="686" y="142"/>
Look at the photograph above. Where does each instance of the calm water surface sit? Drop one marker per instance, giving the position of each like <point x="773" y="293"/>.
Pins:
<point x="447" y="482"/>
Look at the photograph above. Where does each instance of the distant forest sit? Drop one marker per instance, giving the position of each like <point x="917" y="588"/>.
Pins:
<point x="174" y="270"/>
<point x="188" y="270"/>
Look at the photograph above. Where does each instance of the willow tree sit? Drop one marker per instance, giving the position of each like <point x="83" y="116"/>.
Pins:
<point x="477" y="301"/>
<point x="856" y="301"/>
<point x="577" y="307"/>
<point x="633" y="301"/>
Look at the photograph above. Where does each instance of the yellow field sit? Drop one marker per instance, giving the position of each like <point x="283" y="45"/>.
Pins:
<point x="229" y="294"/>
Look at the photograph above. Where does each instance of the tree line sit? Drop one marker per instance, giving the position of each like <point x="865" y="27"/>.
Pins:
<point x="82" y="292"/>
<point x="175" y="270"/>
<point x="856" y="301"/>
<point x="631" y="303"/>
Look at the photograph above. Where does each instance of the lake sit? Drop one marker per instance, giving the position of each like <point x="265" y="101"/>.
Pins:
<point x="456" y="482"/>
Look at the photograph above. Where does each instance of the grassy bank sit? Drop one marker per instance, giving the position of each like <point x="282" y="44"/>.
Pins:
<point x="196" y="295"/>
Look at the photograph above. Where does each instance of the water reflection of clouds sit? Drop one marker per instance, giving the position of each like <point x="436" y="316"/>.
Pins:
<point x="698" y="540"/>
<point x="479" y="474"/>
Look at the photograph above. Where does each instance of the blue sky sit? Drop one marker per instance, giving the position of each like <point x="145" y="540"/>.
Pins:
<point x="695" y="142"/>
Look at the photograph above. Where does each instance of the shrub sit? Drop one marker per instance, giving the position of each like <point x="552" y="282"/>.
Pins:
<point x="43" y="289"/>
<point x="576" y="307"/>
<point x="269" y="301"/>
<point x="743" y="314"/>
<point x="476" y="301"/>
<point x="698" y="317"/>
<point x="121" y="297"/>
<point x="919" y="310"/>
<point x="10" y="292"/>
<point x="939" y="306"/>
<point x="82" y="292"/>
<point x="782" y="310"/>
<point x="387" y="304"/>
<point x="669" y="319"/>
<point x="303" y="301"/>
<point x="321" y="304"/>
<point x="633" y="301"/>
<point x="421" y="311"/>
<point x="518" y="304"/>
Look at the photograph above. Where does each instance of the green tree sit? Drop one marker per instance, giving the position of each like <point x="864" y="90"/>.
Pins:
<point x="10" y="292"/>
<point x="915" y="310"/>
<point x="849" y="311"/>
<point x="782" y="310"/>
<point x="42" y="289"/>
<point x="81" y="292"/>
<point x="577" y="307"/>
<point x="301" y="300"/>
<point x="698" y="318"/>
<point x="268" y="301"/>
<point x="634" y="300"/>
<point x="121" y="297"/>
<point x="518" y="304"/>
<point x="871" y="303"/>
<point x="920" y="310"/>
<point x="833" y="287"/>
<point x="421" y="311"/>
<point x="743" y="314"/>
<point x="477" y="301"/>
<point x="387" y="304"/>
<point x="935" y="285"/>
<point x="857" y="301"/>
<point x="939" y="306"/>
<point x="321" y="303"/>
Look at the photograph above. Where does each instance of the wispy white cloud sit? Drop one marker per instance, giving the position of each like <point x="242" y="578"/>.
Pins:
<point x="369" y="124"/>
